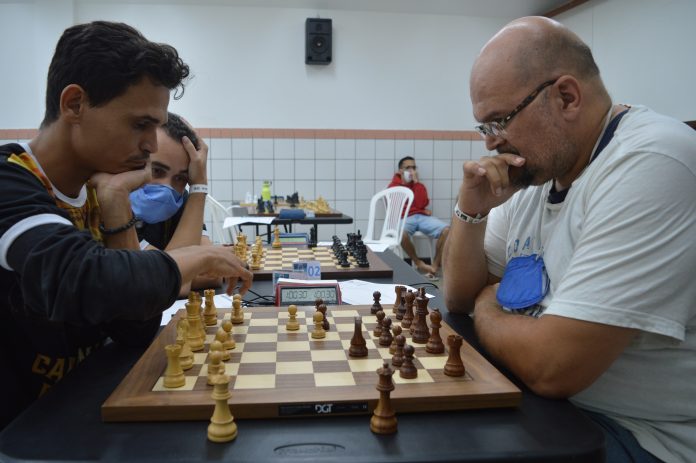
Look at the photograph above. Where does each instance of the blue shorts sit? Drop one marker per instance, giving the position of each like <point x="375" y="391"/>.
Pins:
<point x="427" y="224"/>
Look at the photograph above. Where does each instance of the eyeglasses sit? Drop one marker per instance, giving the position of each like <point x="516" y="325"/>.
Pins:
<point x="496" y="127"/>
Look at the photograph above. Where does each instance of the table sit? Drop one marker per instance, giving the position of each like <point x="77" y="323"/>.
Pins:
<point x="65" y="425"/>
<point x="313" y="221"/>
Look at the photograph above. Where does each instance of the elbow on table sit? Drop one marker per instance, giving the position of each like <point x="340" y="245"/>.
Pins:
<point x="553" y="385"/>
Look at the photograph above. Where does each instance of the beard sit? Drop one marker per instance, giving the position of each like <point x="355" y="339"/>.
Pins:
<point x="554" y="159"/>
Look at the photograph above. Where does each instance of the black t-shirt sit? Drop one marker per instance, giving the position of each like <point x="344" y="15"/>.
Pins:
<point x="62" y="293"/>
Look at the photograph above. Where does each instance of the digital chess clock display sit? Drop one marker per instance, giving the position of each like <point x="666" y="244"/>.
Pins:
<point x="306" y="294"/>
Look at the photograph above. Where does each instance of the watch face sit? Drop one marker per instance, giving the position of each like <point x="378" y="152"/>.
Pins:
<point x="307" y="295"/>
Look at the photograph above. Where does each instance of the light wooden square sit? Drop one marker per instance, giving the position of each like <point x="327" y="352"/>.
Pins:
<point x="334" y="379"/>
<point x="294" y="368"/>
<point x="327" y="355"/>
<point x="258" y="357"/>
<point x="261" y="337"/>
<point x="255" y="382"/>
<point x="293" y="346"/>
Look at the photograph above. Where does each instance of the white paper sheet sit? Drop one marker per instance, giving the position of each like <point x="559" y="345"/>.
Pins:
<point x="359" y="292"/>
<point x="232" y="221"/>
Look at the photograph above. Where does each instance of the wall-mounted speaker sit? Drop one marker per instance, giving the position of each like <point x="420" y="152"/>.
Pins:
<point x="317" y="41"/>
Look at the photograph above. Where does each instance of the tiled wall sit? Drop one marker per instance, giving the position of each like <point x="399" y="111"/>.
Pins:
<point x="346" y="170"/>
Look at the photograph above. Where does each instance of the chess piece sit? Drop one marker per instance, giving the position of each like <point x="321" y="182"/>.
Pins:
<point x="237" y="312"/>
<point x="221" y="337"/>
<point x="419" y="329"/>
<point x="325" y="321"/>
<point x="215" y="365"/>
<point x="407" y="321"/>
<point x="376" y="307"/>
<point x="358" y="345"/>
<point x="276" y="238"/>
<point x="383" y="419"/>
<point x="398" y="357"/>
<point x="193" y="317"/>
<point x="173" y="374"/>
<point x="318" y="332"/>
<point x="454" y="365"/>
<point x="401" y="309"/>
<point x="255" y="261"/>
<point x="222" y="427"/>
<point x="292" y="324"/>
<point x="395" y="308"/>
<point x="186" y="356"/>
<point x="210" y="313"/>
<point x="435" y="344"/>
<point x="396" y="330"/>
<point x="377" y="332"/>
<point x="407" y="369"/>
<point x="385" y="339"/>
<point x="230" y="343"/>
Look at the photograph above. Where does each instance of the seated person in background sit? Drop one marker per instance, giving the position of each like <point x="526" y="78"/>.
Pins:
<point x="419" y="218"/>
<point x="169" y="216"/>
<point x="71" y="271"/>
<point x="580" y="280"/>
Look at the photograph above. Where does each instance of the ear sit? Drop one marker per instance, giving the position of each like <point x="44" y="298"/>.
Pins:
<point x="73" y="101"/>
<point x="570" y="93"/>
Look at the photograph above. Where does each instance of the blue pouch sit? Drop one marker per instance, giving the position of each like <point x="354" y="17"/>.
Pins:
<point x="524" y="282"/>
<point x="296" y="214"/>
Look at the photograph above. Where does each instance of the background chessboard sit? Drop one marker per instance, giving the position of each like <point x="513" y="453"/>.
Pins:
<point x="275" y="372"/>
<point x="282" y="259"/>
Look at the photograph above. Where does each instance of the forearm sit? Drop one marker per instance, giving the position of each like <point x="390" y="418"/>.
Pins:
<point x="113" y="217"/>
<point x="188" y="231"/>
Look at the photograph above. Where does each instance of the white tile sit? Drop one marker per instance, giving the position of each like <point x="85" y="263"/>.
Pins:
<point x="443" y="208"/>
<point x="284" y="148"/>
<point x="478" y="149"/>
<point x="457" y="168"/>
<point x="326" y="232"/>
<point x="403" y="148"/>
<point x="326" y="189"/>
<point x="364" y="189"/>
<point x="304" y="169"/>
<point x="442" y="149"/>
<point x="362" y="226"/>
<point x="442" y="189"/>
<point x="263" y="169"/>
<point x="283" y="187"/>
<point x="345" y="190"/>
<point x="384" y="170"/>
<point x="220" y="148"/>
<point x="345" y="149"/>
<point x="242" y="169"/>
<point x="242" y="148"/>
<point x="347" y="207"/>
<point x="425" y="169"/>
<point x="221" y="169"/>
<point x="461" y="149"/>
<point x="240" y="189"/>
<point x="263" y="148"/>
<point x="343" y="229"/>
<point x="423" y="150"/>
<point x="384" y="149"/>
<point x="362" y="210"/>
<point x="379" y="224"/>
<point x="305" y="188"/>
<point x="456" y="183"/>
<point x="325" y="148"/>
<point x="304" y="148"/>
<point x="345" y="169"/>
<point x="364" y="169"/>
<point x="221" y="190"/>
<point x="284" y="169"/>
<point x="442" y="169"/>
<point x="325" y="169"/>
<point x="365" y="149"/>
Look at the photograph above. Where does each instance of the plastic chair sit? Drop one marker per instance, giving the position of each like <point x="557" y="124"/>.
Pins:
<point x="421" y="240"/>
<point x="218" y="213"/>
<point x="397" y="202"/>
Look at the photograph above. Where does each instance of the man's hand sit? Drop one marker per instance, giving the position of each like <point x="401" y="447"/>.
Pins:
<point x="198" y="159"/>
<point x="486" y="183"/>
<point x="212" y="261"/>
<point x="113" y="188"/>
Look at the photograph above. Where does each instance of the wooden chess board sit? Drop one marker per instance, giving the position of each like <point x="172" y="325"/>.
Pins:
<point x="280" y="373"/>
<point x="282" y="259"/>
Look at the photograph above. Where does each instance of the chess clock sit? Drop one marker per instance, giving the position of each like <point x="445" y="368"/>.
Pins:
<point x="306" y="293"/>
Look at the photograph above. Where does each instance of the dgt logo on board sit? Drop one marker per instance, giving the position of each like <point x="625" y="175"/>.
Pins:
<point x="323" y="408"/>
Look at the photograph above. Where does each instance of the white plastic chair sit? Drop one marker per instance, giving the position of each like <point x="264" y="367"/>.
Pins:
<point x="420" y="241"/>
<point x="218" y="213"/>
<point x="397" y="202"/>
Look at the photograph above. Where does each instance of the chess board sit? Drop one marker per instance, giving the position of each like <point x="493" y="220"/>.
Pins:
<point x="279" y="373"/>
<point x="282" y="259"/>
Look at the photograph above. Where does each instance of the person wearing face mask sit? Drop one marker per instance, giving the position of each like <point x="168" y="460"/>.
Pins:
<point x="419" y="218"/>
<point x="169" y="216"/>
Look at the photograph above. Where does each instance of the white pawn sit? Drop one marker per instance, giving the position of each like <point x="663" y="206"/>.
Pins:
<point x="318" y="332"/>
<point x="237" y="312"/>
<point x="293" y="324"/>
<point x="222" y="427"/>
<point x="221" y="337"/>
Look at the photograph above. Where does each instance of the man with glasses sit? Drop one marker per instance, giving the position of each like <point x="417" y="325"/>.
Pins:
<point x="419" y="218"/>
<point x="572" y="244"/>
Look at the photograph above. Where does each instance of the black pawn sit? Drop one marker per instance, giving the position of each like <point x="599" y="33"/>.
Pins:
<point x="385" y="339"/>
<point x="377" y="332"/>
<point x="398" y="357"/>
<point x="325" y="322"/>
<point x="358" y="345"/>
<point x="376" y="307"/>
<point x="407" y="369"/>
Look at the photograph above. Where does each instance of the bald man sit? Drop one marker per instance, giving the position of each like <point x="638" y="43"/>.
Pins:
<point x="572" y="245"/>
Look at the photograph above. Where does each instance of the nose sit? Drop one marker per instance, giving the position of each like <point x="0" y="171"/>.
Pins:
<point x="149" y="141"/>
<point x="493" y="141"/>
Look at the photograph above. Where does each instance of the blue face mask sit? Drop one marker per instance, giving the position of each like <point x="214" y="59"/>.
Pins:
<point x="154" y="203"/>
<point x="524" y="283"/>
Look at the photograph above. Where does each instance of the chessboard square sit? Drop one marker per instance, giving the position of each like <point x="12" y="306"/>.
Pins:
<point x="345" y="313"/>
<point x="264" y="322"/>
<point x="258" y="357"/>
<point x="255" y="382"/>
<point x="332" y="336"/>
<point x="246" y="369"/>
<point x="366" y="378"/>
<point x="281" y="329"/>
<point x="261" y="337"/>
<point x="328" y="355"/>
<point x="384" y="352"/>
<point x="293" y="368"/>
<point x="296" y="356"/>
<point x="209" y="338"/>
<point x="305" y="380"/>
<point x="345" y="327"/>
<point x="190" y="382"/>
<point x="199" y="358"/>
<point x="256" y="317"/>
<point x="371" y="319"/>
<point x="423" y="377"/>
<point x="239" y="329"/>
<point x="260" y="347"/>
<point x="337" y="366"/>
<point x="365" y="364"/>
<point x="273" y="267"/>
<point x="318" y="345"/>
<point x="292" y="346"/>
<point x="433" y="363"/>
<point x="333" y="379"/>
<point x="263" y="329"/>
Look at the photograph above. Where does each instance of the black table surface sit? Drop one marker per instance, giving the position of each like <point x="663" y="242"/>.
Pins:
<point x="65" y="425"/>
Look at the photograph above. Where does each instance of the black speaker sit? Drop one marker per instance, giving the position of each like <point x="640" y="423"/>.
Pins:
<point x="317" y="41"/>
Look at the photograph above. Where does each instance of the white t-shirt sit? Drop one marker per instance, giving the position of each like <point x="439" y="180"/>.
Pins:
<point x="621" y="250"/>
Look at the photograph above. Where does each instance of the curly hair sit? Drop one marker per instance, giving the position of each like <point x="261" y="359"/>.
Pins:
<point x="105" y="58"/>
<point x="176" y="128"/>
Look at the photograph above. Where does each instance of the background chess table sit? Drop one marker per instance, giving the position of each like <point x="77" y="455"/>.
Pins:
<point x="275" y="372"/>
